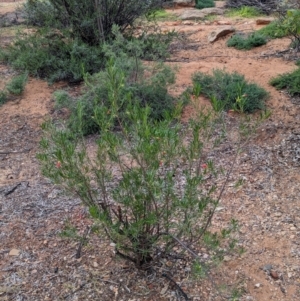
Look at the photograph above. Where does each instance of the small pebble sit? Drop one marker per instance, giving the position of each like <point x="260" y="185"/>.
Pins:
<point x="257" y="285"/>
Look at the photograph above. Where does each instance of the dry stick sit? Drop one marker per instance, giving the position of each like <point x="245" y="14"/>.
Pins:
<point x="75" y="291"/>
<point x="229" y="56"/>
<point x="219" y="197"/>
<point x="78" y="253"/>
<point x="15" y="152"/>
<point x="177" y="286"/>
<point x="12" y="189"/>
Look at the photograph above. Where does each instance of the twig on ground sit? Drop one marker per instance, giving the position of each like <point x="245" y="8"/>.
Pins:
<point x="12" y="190"/>
<point x="15" y="152"/>
<point x="75" y="291"/>
<point x="82" y="241"/>
<point x="184" y="295"/>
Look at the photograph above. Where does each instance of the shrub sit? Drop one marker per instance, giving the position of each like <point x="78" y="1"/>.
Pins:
<point x="264" y="6"/>
<point x="90" y="21"/>
<point x="146" y="90"/>
<point x="245" y="43"/>
<point x="41" y="13"/>
<point x="161" y="15"/>
<point x="51" y="55"/>
<point x="54" y="55"/>
<point x="289" y="81"/>
<point x="204" y="3"/>
<point x="147" y="189"/>
<point x="244" y="12"/>
<point x="273" y="30"/>
<point x="291" y="23"/>
<point x="147" y="85"/>
<point x="17" y="84"/>
<point x="232" y="90"/>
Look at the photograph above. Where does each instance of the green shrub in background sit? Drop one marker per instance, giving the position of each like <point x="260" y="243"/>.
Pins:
<point x="146" y="85"/>
<point x="204" y="3"/>
<point x="161" y="15"/>
<point x="41" y="13"/>
<point x="230" y="91"/>
<point x="90" y="22"/>
<point x="244" y="12"/>
<point x="150" y="91"/>
<point x="289" y="81"/>
<point x="56" y="56"/>
<point x="273" y="30"/>
<point x="241" y="42"/>
<point x="51" y="55"/>
<point x="290" y="22"/>
<point x="149" y="191"/>
<point x="264" y="6"/>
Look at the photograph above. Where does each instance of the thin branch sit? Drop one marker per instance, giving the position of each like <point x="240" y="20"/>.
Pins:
<point x="184" y="295"/>
<point x="12" y="189"/>
<point x="14" y="152"/>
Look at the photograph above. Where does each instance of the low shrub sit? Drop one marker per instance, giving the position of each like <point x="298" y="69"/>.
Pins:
<point x="264" y="6"/>
<point x="161" y="15"/>
<point x="40" y="13"/>
<point x="17" y="84"/>
<point x="241" y="42"/>
<point x="289" y="81"/>
<point x="204" y="3"/>
<point x="290" y="22"/>
<point x="244" y="12"/>
<point x="55" y="55"/>
<point x="148" y="88"/>
<point x="90" y="22"/>
<point x="273" y="30"/>
<point x="230" y="91"/>
<point x="51" y="55"/>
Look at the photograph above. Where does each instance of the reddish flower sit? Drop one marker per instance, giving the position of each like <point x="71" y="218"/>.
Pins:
<point x="58" y="164"/>
<point x="204" y="165"/>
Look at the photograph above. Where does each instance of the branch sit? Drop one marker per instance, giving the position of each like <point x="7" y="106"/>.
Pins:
<point x="177" y="286"/>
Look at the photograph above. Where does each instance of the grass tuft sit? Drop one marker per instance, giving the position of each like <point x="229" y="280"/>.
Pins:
<point x="230" y="91"/>
<point x="17" y="85"/>
<point x="241" y="42"/>
<point x="244" y="12"/>
<point x="289" y="81"/>
<point x="273" y="30"/>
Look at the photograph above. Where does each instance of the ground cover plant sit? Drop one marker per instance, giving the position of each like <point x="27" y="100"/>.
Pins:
<point x="204" y="3"/>
<point x="289" y="81"/>
<point x="244" y="12"/>
<point x="230" y="91"/>
<point x="246" y="42"/>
